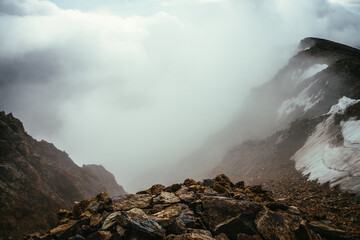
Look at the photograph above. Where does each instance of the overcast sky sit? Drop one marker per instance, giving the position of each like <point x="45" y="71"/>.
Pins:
<point x="135" y="84"/>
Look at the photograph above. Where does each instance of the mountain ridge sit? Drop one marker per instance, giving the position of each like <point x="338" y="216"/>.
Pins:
<point x="36" y="173"/>
<point x="314" y="79"/>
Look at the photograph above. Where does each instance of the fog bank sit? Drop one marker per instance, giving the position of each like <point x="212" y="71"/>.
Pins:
<point x="134" y="85"/>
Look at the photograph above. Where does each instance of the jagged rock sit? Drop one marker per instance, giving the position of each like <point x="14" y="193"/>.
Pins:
<point x="189" y="182"/>
<point x="199" y="231"/>
<point x="146" y="226"/>
<point x="325" y="229"/>
<point x="190" y="236"/>
<point x="221" y="236"/>
<point x="158" y="207"/>
<point x="133" y="201"/>
<point x="233" y="226"/>
<point x="166" y="198"/>
<point x="210" y="192"/>
<point x="112" y="219"/>
<point x="185" y="195"/>
<point x="95" y="220"/>
<point x="220" y="209"/>
<point x="224" y="181"/>
<point x="209" y="183"/>
<point x="239" y="184"/>
<point x="173" y="188"/>
<point x="221" y="189"/>
<point x="167" y="216"/>
<point x="243" y="236"/>
<point x="64" y="230"/>
<point x="77" y="237"/>
<point x="100" y="235"/>
<point x="186" y="215"/>
<point x="293" y="210"/>
<point x="177" y="227"/>
<point x="120" y="232"/>
<point x="280" y="225"/>
<point x="157" y="188"/>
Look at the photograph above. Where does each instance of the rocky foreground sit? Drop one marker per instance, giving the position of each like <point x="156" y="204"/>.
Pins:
<point x="209" y="209"/>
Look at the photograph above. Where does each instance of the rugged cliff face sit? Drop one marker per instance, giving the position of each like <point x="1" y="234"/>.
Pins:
<point x="36" y="179"/>
<point x="320" y="89"/>
<point x="314" y="80"/>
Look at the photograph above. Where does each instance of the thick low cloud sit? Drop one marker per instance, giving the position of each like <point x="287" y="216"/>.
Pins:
<point x="139" y="84"/>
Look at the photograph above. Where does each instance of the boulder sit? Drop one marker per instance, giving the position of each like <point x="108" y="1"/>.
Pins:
<point x="281" y="225"/>
<point x="224" y="181"/>
<point x="133" y="201"/>
<point x="185" y="194"/>
<point x="217" y="210"/>
<point x="327" y="230"/>
<point x="166" y="198"/>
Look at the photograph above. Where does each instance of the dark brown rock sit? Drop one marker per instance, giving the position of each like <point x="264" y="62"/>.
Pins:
<point x="325" y="229"/>
<point x="224" y="181"/>
<point x="185" y="194"/>
<point x="243" y="236"/>
<point x="173" y="188"/>
<point x="233" y="226"/>
<point x="280" y="225"/>
<point x="221" y="236"/>
<point x="189" y="182"/>
<point x="166" y="198"/>
<point x="220" y="209"/>
<point x="157" y="188"/>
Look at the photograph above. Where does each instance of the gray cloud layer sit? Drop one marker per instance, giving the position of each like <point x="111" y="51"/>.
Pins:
<point x="141" y="84"/>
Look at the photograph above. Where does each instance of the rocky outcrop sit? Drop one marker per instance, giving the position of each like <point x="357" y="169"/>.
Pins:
<point x="36" y="179"/>
<point x="217" y="209"/>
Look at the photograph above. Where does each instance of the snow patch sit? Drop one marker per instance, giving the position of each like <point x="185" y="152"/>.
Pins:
<point x="303" y="100"/>
<point x="311" y="71"/>
<point x="351" y="133"/>
<point x="342" y="104"/>
<point x="328" y="163"/>
<point x="307" y="48"/>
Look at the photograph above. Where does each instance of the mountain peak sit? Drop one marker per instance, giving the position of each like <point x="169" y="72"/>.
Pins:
<point x="324" y="48"/>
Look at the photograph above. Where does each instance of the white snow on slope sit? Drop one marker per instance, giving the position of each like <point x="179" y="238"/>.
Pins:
<point x="311" y="71"/>
<point x="343" y="103"/>
<point x="303" y="100"/>
<point x="328" y="163"/>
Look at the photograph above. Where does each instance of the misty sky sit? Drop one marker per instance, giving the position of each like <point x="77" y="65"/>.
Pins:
<point x="135" y="84"/>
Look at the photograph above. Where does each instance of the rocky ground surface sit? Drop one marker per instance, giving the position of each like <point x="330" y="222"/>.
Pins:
<point x="318" y="201"/>
<point x="209" y="209"/>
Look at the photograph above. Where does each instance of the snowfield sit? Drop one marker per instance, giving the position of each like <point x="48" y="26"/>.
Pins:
<point x="326" y="161"/>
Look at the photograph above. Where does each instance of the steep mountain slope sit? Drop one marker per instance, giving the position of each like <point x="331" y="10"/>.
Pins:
<point x="325" y="144"/>
<point x="36" y="179"/>
<point x="315" y="79"/>
<point x="105" y="178"/>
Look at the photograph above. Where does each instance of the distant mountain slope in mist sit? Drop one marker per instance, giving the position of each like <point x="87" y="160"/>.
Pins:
<point x="314" y="80"/>
<point x="36" y="179"/>
<point x="317" y="91"/>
